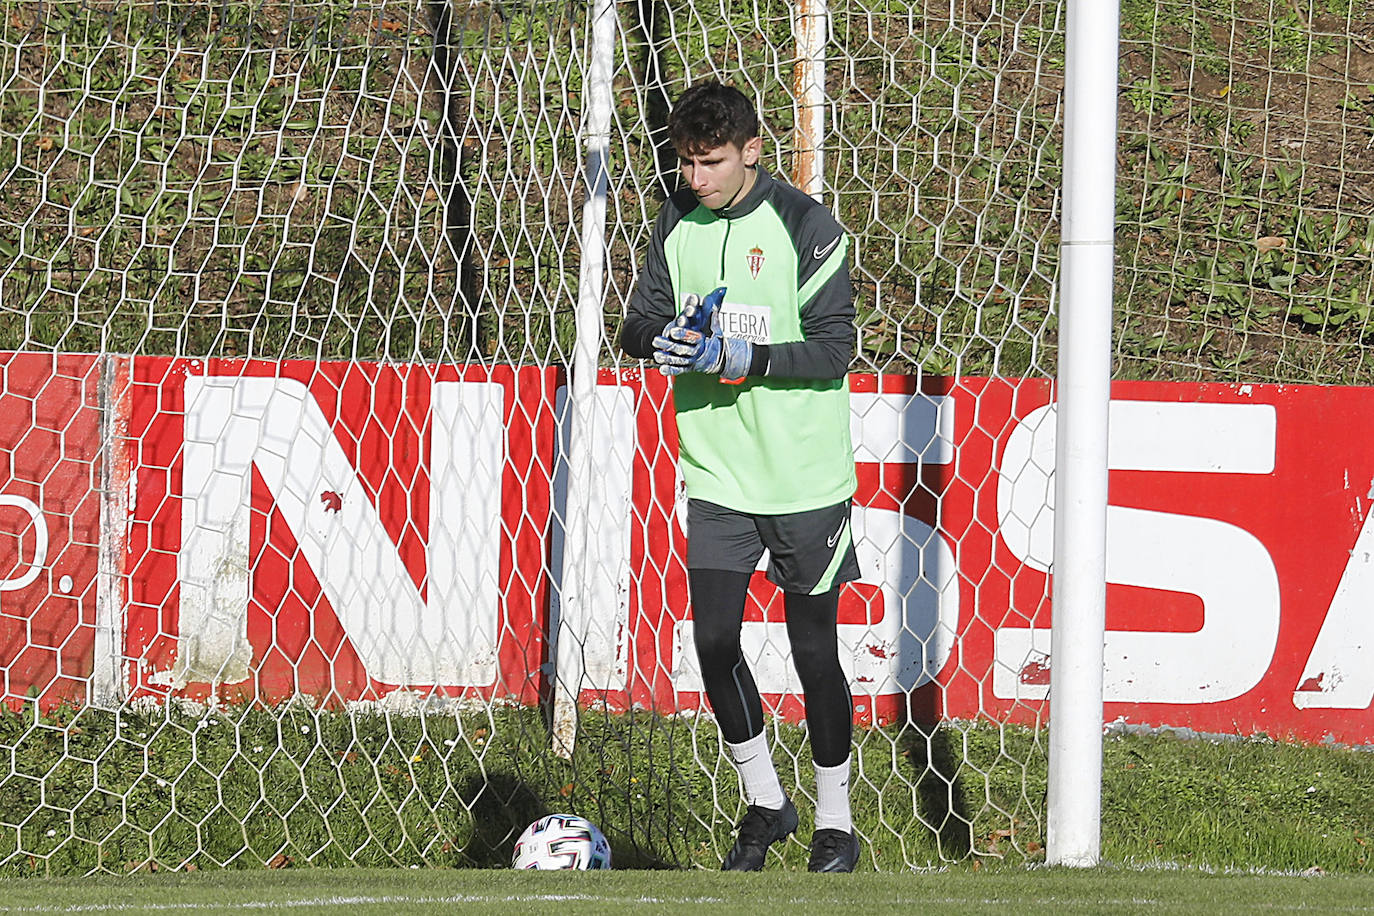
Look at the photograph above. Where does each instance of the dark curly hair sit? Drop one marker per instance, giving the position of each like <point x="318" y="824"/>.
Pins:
<point x="709" y="115"/>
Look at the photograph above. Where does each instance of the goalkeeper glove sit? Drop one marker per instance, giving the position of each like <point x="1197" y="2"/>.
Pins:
<point x="688" y="343"/>
<point x="700" y="314"/>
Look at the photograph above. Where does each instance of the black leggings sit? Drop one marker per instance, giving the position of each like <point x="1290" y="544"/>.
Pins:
<point x="718" y="598"/>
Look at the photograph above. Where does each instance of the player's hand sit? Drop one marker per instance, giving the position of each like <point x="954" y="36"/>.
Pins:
<point x="682" y="350"/>
<point x="679" y="349"/>
<point x="689" y="342"/>
<point x="680" y="344"/>
<point x="701" y="314"/>
<point x="677" y="354"/>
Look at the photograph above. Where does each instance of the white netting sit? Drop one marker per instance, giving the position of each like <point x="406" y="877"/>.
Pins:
<point x="290" y="289"/>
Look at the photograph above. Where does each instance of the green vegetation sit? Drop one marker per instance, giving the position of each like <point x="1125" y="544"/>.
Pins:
<point x="252" y="180"/>
<point x="312" y="180"/>
<point x="162" y="789"/>
<point x="1246" y="253"/>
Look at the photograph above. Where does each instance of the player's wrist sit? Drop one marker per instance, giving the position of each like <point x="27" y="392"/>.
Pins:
<point x="737" y="357"/>
<point x="760" y="360"/>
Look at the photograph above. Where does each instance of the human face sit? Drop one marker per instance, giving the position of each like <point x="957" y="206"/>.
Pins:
<point x="721" y="176"/>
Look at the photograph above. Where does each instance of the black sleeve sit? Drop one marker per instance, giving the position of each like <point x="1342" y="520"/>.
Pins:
<point x="652" y="303"/>
<point x="827" y="306"/>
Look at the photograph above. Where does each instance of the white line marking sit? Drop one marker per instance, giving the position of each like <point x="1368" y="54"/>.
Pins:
<point x="349" y="901"/>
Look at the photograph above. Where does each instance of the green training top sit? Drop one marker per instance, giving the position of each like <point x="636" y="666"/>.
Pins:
<point x="778" y="442"/>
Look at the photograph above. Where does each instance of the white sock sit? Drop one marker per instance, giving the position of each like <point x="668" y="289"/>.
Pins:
<point x="756" y="771"/>
<point x="832" y="798"/>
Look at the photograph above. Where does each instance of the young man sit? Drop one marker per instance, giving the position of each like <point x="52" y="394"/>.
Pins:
<point x="762" y="403"/>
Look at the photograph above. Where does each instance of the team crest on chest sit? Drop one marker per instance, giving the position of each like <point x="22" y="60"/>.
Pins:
<point x="755" y="258"/>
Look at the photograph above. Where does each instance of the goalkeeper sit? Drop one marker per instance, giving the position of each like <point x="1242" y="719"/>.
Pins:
<point x="745" y="299"/>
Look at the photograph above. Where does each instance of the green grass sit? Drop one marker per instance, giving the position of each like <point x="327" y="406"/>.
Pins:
<point x="87" y="791"/>
<point x="1252" y="802"/>
<point x="954" y="891"/>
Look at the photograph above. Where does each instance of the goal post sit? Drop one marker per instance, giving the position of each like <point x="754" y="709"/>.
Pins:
<point x="577" y="623"/>
<point x="1083" y="392"/>
<point x="812" y="30"/>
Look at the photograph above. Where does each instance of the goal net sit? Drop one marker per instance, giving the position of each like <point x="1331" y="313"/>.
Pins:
<point x="300" y="564"/>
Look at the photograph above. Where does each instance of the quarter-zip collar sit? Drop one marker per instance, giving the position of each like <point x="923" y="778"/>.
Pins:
<point x="763" y="182"/>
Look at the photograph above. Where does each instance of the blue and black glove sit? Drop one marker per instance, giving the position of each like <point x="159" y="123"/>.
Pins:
<point x="689" y="343"/>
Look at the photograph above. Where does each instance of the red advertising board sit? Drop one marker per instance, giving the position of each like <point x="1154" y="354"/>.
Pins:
<point x="338" y="530"/>
<point x="356" y="531"/>
<point x="1219" y="617"/>
<point x="49" y="524"/>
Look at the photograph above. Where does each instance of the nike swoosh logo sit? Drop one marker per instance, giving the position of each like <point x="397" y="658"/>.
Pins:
<point x="818" y="252"/>
<point x="834" y="538"/>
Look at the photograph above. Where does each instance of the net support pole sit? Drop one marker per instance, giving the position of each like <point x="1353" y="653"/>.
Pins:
<point x="108" y="685"/>
<point x="812" y="29"/>
<point x="576" y="616"/>
<point x="1084" y="392"/>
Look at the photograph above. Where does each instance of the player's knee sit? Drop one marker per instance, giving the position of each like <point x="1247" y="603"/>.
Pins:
<point x="816" y="664"/>
<point x="717" y="651"/>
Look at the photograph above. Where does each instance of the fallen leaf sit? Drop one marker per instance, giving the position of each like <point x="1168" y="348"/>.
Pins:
<point x="280" y="860"/>
<point x="1268" y="243"/>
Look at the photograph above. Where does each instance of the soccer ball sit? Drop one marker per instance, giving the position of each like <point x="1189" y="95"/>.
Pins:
<point x="562" y="841"/>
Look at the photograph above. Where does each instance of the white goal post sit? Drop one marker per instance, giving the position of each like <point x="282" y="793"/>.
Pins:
<point x="1087" y="264"/>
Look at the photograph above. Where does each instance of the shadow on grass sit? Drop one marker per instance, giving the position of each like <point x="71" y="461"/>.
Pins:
<point x="502" y="807"/>
<point x="935" y="763"/>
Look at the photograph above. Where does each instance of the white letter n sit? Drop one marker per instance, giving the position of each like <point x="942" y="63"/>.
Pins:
<point x="233" y="424"/>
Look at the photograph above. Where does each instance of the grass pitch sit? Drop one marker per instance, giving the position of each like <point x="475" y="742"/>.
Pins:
<point x="962" y="890"/>
<point x="91" y="792"/>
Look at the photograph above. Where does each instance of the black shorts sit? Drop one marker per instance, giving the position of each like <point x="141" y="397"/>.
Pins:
<point x="809" y="552"/>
